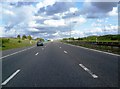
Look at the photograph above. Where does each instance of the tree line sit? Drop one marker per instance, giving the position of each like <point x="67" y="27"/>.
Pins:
<point x="24" y="37"/>
<point x="29" y="37"/>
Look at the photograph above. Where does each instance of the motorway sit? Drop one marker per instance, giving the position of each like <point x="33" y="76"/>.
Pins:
<point x="58" y="65"/>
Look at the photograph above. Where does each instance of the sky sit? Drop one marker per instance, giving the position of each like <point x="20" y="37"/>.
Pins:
<point x="53" y="19"/>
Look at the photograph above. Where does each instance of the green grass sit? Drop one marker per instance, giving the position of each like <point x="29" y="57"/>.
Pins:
<point x="11" y="43"/>
<point x="97" y="47"/>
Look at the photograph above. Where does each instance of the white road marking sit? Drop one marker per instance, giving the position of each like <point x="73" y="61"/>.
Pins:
<point x="42" y="48"/>
<point x="6" y="81"/>
<point x="93" y="50"/>
<point x="86" y="69"/>
<point x="60" y="47"/>
<point x="65" y="51"/>
<point x="36" y="53"/>
<point x="16" y="52"/>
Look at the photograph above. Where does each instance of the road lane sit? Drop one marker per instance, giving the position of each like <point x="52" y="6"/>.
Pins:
<point x="52" y="67"/>
<point x="14" y="62"/>
<point x="16" y="50"/>
<point x="104" y="64"/>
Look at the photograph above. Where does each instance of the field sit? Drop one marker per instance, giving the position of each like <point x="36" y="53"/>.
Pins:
<point x="10" y="43"/>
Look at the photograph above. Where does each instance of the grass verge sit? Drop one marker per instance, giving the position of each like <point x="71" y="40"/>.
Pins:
<point x="109" y="49"/>
<point x="11" y="43"/>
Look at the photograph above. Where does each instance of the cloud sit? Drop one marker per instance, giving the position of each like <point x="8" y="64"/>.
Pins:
<point x="51" y="19"/>
<point x="54" y="23"/>
<point x="21" y="3"/>
<point x="72" y="12"/>
<point x="97" y="9"/>
<point x="96" y="24"/>
<point x="77" y="33"/>
<point x="9" y="33"/>
<point x="79" y="20"/>
<point x="33" y="24"/>
<point x="17" y="15"/>
<point x="8" y="12"/>
<point x="57" y="7"/>
<point x="75" y="21"/>
<point x="45" y="3"/>
<point x="109" y="29"/>
<point x="114" y="12"/>
<point x="73" y="9"/>
<point x="104" y="6"/>
<point x="33" y="30"/>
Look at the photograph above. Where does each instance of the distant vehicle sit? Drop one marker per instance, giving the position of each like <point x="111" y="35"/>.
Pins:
<point x="39" y="43"/>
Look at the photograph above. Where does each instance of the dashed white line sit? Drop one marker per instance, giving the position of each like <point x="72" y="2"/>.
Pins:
<point x="36" y="53"/>
<point x="16" y="52"/>
<point x="86" y="69"/>
<point x="60" y="47"/>
<point x="42" y="48"/>
<point x="65" y="52"/>
<point x="6" y="81"/>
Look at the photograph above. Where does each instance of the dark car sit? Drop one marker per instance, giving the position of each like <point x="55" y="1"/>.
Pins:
<point x="39" y="43"/>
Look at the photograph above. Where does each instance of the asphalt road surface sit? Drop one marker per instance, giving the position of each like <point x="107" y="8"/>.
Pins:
<point x="58" y="65"/>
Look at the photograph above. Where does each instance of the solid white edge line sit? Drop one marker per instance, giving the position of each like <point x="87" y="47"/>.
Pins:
<point x="93" y="50"/>
<point x="16" y="52"/>
<point x="65" y="51"/>
<point x="6" y="81"/>
<point x="86" y="69"/>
